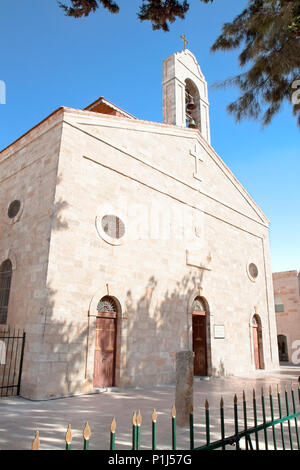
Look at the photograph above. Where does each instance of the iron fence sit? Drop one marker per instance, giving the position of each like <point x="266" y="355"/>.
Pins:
<point x="12" y="343"/>
<point x="284" y="428"/>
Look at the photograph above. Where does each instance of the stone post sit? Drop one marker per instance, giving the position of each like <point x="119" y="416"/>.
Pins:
<point x="184" y="386"/>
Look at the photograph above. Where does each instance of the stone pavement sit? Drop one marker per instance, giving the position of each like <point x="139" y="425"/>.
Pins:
<point x="20" y="418"/>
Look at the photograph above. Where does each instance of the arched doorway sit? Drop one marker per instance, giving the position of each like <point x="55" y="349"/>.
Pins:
<point x="105" y="343"/>
<point x="199" y="313"/>
<point x="282" y="348"/>
<point x="257" y="342"/>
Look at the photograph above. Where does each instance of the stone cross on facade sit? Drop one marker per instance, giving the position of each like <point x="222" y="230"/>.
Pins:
<point x="185" y="41"/>
<point x="196" y="154"/>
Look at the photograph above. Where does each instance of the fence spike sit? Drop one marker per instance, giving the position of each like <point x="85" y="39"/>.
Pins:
<point x="206" y="405"/>
<point x="154" y="418"/>
<point x="68" y="437"/>
<point x="191" y="409"/>
<point x="222" y="403"/>
<point x="262" y="391"/>
<point x="86" y="431"/>
<point x="139" y="418"/>
<point x="235" y="400"/>
<point x="254" y="394"/>
<point x="134" y="431"/>
<point x="36" y="442"/>
<point x="173" y="428"/>
<point x="113" y="425"/>
<point x="244" y="395"/>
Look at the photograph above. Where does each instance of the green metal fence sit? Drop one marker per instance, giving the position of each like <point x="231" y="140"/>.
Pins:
<point x="284" y="426"/>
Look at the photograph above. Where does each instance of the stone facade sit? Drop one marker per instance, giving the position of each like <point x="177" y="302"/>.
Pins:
<point x="191" y="230"/>
<point x="287" y="306"/>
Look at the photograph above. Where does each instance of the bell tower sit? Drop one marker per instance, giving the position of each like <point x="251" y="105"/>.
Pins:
<point x="185" y="97"/>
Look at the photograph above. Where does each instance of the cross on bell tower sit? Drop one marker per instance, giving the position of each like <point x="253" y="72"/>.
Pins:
<point x="185" y="41"/>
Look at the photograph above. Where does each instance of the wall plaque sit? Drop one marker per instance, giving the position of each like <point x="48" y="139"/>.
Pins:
<point x="219" y="331"/>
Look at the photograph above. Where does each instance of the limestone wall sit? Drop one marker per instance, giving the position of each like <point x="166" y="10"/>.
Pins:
<point x="140" y="165"/>
<point x="28" y="170"/>
<point x="286" y="290"/>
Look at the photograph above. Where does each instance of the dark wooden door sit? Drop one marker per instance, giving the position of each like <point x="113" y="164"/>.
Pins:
<point x="105" y="349"/>
<point x="199" y="344"/>
<point x="256" y="347"/>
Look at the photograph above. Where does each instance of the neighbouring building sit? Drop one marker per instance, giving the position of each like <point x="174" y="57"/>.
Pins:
<point x="124" y="241"/>
<point x="287" y="307"/>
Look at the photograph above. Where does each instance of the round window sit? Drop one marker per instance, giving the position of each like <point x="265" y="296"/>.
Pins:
<point x="113" y="226"/>
<point x="253" y="270"/>
<point x="13" y="209"/>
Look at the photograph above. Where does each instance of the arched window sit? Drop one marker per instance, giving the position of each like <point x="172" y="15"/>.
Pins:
<point x="5" y="282"/>
<point x="107" y="304"/>
<point x="198" y="305"/>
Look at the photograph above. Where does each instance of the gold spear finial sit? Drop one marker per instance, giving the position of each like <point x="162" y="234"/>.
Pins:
<point x="86" y="431"/>
<point x="154" y="416"/>
<point x="68" y="437"/>
<point x="173" y="412"/>
<point x="139" y="418"/>
<point x="36" y="442"/>
<point x="113" y="425"/>
<point x="222" y="403"/>
<point x="206" y="405"/>
<point x="134" y="419"/>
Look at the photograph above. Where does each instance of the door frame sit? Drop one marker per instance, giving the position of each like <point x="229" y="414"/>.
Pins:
<point x="195" y="314"/>
<point x="92" y="314"/>
<point x="108" y="316"/>
<point x="256" y="323"/>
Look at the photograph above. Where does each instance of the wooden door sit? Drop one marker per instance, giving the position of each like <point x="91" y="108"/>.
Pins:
<point x="256" y="347"/>
<point x="105" y="346"/>
<point x="199" y="344"/>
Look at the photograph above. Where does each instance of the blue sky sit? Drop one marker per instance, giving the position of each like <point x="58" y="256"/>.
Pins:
<point x="48" y="60"/>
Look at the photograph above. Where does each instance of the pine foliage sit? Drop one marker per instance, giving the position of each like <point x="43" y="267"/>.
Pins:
<point x="268" y="34"/>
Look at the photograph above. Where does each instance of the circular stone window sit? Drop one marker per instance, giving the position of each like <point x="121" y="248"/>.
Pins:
<point x="252" y="271"/>
<point x="14" y="209"/>
<point x="113" y="226"/>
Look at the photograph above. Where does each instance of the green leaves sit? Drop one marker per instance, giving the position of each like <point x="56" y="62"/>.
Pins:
<point x="268" y="33"/>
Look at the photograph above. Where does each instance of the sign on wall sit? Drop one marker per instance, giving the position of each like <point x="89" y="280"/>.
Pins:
<point x="219" y="331"/>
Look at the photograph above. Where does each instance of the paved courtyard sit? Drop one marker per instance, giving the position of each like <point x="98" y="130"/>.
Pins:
<point x="20" y="418"/>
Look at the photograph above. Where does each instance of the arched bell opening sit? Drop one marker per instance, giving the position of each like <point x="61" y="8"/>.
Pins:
<point x="192" y="105"/>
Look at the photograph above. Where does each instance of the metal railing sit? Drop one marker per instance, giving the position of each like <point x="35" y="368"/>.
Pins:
<point x="285" y="432"/>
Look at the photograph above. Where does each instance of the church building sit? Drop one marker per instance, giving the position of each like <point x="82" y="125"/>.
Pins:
<point x="124" y="241"/>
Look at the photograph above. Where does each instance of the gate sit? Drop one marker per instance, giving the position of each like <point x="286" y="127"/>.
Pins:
<point x="12" y="343"/>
